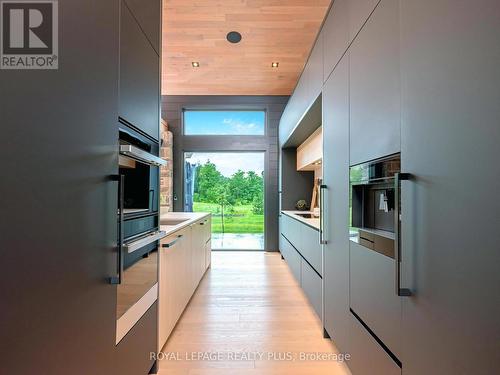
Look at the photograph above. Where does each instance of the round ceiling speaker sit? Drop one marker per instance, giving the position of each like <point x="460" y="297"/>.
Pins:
<point x="233" y="37"/>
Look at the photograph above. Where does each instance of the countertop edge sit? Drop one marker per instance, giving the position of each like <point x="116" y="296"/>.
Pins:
<point x="312" y="223"/>
<point x="193" y="217"/>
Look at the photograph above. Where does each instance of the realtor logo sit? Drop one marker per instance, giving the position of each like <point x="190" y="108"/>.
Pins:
<point x="29" y="37"/>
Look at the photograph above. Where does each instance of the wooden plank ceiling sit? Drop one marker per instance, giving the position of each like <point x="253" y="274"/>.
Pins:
<point x="273" y="31"/>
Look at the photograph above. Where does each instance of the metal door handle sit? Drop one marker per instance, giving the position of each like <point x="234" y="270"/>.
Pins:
<point x="117" y="280"/>
<point x="170" y="244"/>
<point x="322" y="214"/>
<point x="151" y="237"/>
<point x="141" y="155"/>
<point x="398" y="177"/>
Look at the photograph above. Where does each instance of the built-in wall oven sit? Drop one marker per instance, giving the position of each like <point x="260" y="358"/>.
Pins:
<point x="138" y="200"/>
<point x="139" y="164"/>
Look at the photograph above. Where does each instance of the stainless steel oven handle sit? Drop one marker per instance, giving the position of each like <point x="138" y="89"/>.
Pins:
<point x="322" y="214"/>
<point x="172" y="243"/>
<point x="398" y="177"/>
<point x="141" y="155"/>
<point x="117" y="280"/>
<point x="132" y="246"/>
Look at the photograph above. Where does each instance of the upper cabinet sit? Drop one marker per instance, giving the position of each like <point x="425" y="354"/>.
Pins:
<point x="144" y="12"/>
<point x="358" y="12"/>
<point x="139" y="76"/>
<point x="306" y="92"/>
<point x="293" y="111"/>
<point x="314" y="71"/>
<point x="335" y="35"/>
<point x="375" y="86"/>
<point x="310" y="153"/>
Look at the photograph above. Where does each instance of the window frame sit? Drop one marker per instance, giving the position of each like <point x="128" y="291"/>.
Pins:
<point x="224" y="109"/>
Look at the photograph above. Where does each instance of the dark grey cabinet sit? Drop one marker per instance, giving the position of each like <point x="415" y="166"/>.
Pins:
<point x="375" y="86"/>
<point x="147" y="12"/>
<point x="336" y="205"/>
<point x="358" y="12"/>
<point x="335" y="36"/>
<point x="450" y="206"/>
<point x="139" y="76"/>
<point x="58" y="226"/>
<point x="306" y="92"/>
<point x="373" y="297"/>
<point x="291" y="229"/>
<point x="310" y="247"/>
<point x="367" y="356"/>
<point x="314" y="71"/>
<point x="310" y="281"/>
<point x="292" y="257"/>
<point x="299" y="246"/>
<point x="305" y="239"/>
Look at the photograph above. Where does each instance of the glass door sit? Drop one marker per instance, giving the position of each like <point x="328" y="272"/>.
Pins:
<point x="229" y="185"/>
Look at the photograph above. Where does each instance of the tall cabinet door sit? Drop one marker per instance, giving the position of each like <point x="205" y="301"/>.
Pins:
<point x="335" y="35"/>
<point x="375" y="86"/>
<point x="450" y="207"/>
<point x="139" y="77"/>
<point x="336" y="164"/>
<point x="58" y="224"/>
<point x="145" y="11"/>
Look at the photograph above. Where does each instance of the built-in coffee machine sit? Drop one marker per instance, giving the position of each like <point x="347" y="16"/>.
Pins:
<point x="375" y="204"/>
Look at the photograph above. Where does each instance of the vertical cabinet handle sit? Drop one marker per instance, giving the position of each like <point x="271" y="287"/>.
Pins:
<point x="322" y="214"/>
<point x="398" y="177"/>
<point x="117" y="280"/>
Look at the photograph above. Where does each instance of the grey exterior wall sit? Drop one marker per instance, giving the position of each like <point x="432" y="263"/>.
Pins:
<point x="172" y="108"/>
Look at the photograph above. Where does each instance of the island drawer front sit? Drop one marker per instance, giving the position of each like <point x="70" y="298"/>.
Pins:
<point x="311" y="284"/>
<point x="291" y="229"/>
<point x="310" y="247"/>
<point x="292" y="257"/>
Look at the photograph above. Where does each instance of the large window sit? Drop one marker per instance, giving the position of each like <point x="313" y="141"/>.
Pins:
<point x="197" y="122"/>
<point x="229" y="185"/>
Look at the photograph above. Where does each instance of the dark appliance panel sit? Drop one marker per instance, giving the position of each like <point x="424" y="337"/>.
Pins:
<point x="373" y="204"/>
<point x="139" y="165"/>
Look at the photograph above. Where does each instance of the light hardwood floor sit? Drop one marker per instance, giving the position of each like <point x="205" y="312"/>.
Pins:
<point x="248" y="303"/>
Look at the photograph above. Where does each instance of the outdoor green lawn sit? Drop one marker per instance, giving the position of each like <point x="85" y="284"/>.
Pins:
<point x="247" y="223"/>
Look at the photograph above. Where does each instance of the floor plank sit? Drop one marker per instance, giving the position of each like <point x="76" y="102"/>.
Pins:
<point x="248" y="316"/>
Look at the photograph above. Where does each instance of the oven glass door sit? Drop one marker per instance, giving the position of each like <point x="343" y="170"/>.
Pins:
<point x="141" y="186"/>
<point x="139" y="287"/>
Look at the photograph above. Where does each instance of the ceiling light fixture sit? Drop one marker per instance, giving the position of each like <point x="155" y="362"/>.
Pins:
<point x="275" y="64"/>
<point x="195" y="64"/>
<point x="233" y="37"/>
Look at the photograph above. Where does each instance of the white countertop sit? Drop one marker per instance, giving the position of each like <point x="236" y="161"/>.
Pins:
<point x="171" y="222"/>
<point x="311" y="222"/>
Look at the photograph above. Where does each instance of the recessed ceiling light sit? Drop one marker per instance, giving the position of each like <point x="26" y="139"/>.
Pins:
<point x="195" y="64"/>
<point x="275" y="64"/>
<point x="233" y="37"/>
